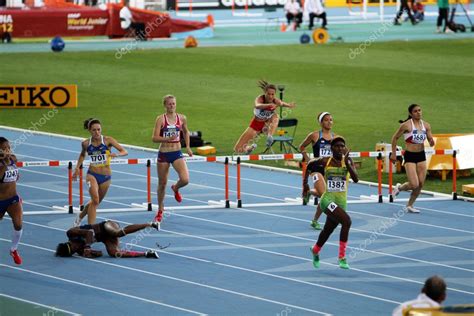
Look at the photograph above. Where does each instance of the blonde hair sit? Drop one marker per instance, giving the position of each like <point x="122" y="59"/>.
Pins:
<point x="168" y="96"/>
<point x="264" y="85"/>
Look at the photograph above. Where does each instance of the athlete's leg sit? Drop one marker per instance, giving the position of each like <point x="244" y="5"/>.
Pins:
<point x="421" y="176"/>
<point x="163" y="170"/>
<point x="15" y="211"/>
<point x="243" y="144"/>
<point x="183" y="175"/>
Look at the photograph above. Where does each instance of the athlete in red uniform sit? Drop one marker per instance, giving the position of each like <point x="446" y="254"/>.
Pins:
<point x="265" y="119"/>
<point x="167" y="132"/>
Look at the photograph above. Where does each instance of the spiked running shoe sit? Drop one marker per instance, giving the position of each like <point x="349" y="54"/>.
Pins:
<point x="159" y="216"/>
<point x="343" y="263"/>
<point x="315" y="258"/>
<point x="16" y="256"/>
<point x="316" y="225"/>
<point x="177" y="195"/>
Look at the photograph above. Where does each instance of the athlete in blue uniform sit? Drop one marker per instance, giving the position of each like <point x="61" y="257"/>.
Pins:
<point x="98" y="147"/>
<point x="416" y="132"/>
<point x="108" y="232"/>
<point x="321" y="144"/>
<point x="167" y="132"/>
<point x="10" y="202"/>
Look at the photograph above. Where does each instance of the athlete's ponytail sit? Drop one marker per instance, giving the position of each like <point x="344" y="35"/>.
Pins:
<point x="264" y="85"/>
<point x="89" y="122"/>
<point x="410" y="109"/>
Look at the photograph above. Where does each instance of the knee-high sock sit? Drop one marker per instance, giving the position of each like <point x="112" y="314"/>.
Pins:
<point x="342" y="249"/>
<point x="16" y="236"/>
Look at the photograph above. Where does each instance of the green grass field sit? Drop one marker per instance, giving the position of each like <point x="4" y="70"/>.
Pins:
<point x="215" y="89"/>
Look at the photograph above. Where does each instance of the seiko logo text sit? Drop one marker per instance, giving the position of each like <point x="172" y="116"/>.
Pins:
<point x="38" y="96"/>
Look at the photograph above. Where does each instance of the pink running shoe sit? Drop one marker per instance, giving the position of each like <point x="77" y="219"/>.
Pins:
<point x="159" y="216"/>
<point x="16" y="256"/>
<point x="177" y="195"/>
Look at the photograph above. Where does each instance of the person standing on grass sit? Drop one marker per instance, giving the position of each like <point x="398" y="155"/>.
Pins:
<point x="99" y="175"/>
<point x="321" y="143"/>
<point x="167" y="132"/>
<point x="416" y="132"/>
<point x="337" y="170"/>
<point x="10" y="201"/>
<point x="265" y="119"/>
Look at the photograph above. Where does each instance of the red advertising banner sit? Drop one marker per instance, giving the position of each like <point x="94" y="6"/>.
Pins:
<point x="48" y="22"/>
<point x="85" y="21"/>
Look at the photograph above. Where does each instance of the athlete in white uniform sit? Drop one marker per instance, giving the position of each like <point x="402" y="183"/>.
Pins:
<point x="415" y="132"/>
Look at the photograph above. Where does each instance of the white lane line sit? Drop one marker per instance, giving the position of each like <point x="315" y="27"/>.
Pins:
<point x="51" y="308"/>
<point x="99" y="288"/>
<point x="287" y="217"/>
<point x="262" y="196"/>
<point x="304" y="259"/>
<point x="161" y="276"/>
<point x="328" y="243"/>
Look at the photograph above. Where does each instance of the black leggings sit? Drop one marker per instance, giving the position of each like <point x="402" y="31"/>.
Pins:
<point x="338" y="216"/>
<point x="442" y="15"/>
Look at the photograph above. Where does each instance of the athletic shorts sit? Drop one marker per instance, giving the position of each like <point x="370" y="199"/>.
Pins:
<point x="100" y="178"/>
<point x="330" y="203"/>
<point x="257" y="125"/>
<point x="169" y="157"/>
<point x="414" y="157"/>
<point x="4" y="204"/>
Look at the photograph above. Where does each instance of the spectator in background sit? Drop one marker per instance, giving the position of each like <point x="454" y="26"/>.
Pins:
<point x="443" y="11"/>
<point x="432" y="294"/>
<point x="404" y="7"/>
<point x="130" y="25"/>
<point x="418" y="11"/>
<point x="315" y="9"/>
<point x="293" y="12"/>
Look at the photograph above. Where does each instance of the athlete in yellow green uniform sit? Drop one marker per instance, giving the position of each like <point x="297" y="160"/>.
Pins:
<point x="333" y="202"/>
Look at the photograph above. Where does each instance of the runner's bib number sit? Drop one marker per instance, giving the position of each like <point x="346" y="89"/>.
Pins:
<point x="419" y="138"/>
<point x="171" y="132"/>
<point x="11" y="175"/>
<point x="98" y="159"/>
<point x="325" y="151"/>
<point x="336" y="184"/>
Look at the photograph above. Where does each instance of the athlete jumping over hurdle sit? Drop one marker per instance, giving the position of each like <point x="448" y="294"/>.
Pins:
<point x="108" y="232"/>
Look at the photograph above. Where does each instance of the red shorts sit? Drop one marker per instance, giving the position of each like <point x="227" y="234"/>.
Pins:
<point x="257" y="125"/>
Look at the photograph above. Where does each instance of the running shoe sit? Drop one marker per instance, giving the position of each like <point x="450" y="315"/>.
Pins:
<point x="269" y="141"/>
<point x="251" y="148"/>
<point x="411" y="209"/>
<point x="316" y="225"/>
<point x="177" y="195"/>
<point x="155" y="225"/>
<point x="77" y="221"/>
<point x="152" y="254"/>
<point x="315" y="258"/>
<point x="343" y="263"/>
<point x="396" y="189"/>
<point x="159" y="216"/>
<point x="16" y="256"/>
